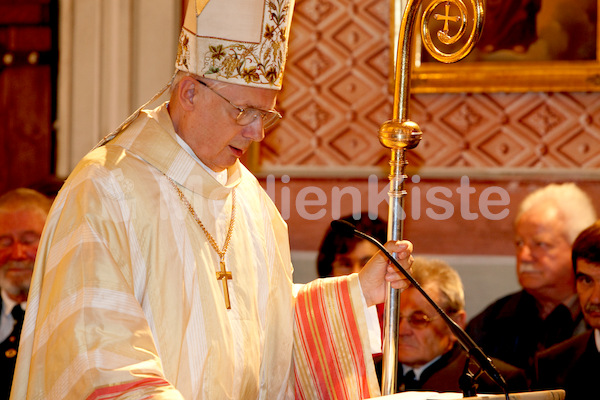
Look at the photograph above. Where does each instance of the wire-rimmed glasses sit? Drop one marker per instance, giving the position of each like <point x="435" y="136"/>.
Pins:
<point x="248" y="115"/>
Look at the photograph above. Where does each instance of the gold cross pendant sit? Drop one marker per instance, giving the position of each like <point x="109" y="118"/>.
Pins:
<point x="224" y="275"/>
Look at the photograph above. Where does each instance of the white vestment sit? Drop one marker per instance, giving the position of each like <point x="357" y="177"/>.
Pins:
<point x="124" y="301"/>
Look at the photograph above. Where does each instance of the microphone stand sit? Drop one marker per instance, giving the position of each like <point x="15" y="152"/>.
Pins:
<point x="463" y="338"/>
<point x="468" y="380"/>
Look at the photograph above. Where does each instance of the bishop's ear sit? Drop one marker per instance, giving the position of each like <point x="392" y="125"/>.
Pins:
<point x="186" y="92"/>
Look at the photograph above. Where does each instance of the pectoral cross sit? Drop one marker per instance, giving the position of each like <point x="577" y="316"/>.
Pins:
<point x="224" y="275"/>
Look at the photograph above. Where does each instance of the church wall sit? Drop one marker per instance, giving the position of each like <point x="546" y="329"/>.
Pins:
<point x="325" y="150"/>
<point x="335" y="98"/>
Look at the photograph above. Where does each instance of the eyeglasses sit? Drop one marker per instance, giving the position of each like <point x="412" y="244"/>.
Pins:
<point x="248" y="115"/>
<point x="418" y="319"/>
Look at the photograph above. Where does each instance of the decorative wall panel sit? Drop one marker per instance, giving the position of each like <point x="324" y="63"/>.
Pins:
<point x="336" y="96"/>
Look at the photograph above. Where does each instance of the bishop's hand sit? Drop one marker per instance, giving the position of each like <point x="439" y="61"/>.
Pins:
<point x="379" y="271"/>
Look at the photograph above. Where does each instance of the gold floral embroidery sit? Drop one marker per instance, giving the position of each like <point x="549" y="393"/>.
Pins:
<point x="269" y="32"/>
<point x="250" y="75"/>
<point x="183" y="51"/>
<point x="253" y="63"/>
<point x="217" y="51"/>
<point x="271" y="75"/>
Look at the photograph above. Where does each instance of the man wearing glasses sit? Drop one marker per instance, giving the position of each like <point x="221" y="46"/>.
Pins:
<point x="164" y="270"/>
<point x="429" y="356"/>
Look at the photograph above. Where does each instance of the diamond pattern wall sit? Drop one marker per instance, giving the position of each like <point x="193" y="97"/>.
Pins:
<point x="336" y="96"/>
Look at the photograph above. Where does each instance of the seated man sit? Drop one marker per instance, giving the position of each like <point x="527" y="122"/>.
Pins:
<point x="429" y="356"/>
<point x="573" y="365"/>
<point x="23" y="213"/>
<point x="546" y="310"/>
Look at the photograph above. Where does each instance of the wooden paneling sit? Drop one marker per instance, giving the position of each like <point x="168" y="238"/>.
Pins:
<point x="27" y="81"/>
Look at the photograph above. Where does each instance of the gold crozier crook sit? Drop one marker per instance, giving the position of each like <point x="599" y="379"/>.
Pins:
<point x="400" y="133"/>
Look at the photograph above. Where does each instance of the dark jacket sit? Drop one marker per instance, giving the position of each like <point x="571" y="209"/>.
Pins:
<point x="444" y="375"/>
<point x="573" y="365"/>
<point x="8" y="358"/>
<point x="511" y="329"/>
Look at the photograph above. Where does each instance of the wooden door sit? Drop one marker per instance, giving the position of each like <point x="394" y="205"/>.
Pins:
<point x="28" y="62"/>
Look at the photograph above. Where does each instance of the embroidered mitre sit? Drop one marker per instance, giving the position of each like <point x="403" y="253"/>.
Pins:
<point x="237" y="41"/>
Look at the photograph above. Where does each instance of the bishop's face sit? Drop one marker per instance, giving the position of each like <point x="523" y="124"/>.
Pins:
<point x="420" y="343"/>
<point x="211" y="130"/>
<point x="20" y="232"/>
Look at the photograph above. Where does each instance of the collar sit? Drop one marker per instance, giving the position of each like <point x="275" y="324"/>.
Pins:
<point x="572" y="303"/>
<point x="597" y="337"/>
<point x="8" y="303"/>
<point x="221" y="177"/>
<point x="152" y="138"/>
<point x="418" y="371"/>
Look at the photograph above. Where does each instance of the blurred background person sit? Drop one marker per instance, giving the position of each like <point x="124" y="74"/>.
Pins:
<point x="546" y="311"/>
<point x="343" y="255"/>
<point x="429" y="356"/>
<point x="574" y="365"/>
<point x="23" y="213"/>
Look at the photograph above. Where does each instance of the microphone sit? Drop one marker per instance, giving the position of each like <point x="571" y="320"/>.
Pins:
<point x="347" y="229"/>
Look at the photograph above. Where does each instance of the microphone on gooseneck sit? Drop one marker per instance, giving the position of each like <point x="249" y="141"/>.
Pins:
<point x="347" y="229"/>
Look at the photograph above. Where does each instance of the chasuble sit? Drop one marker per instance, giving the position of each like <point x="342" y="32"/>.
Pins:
<point x="125" y="301"/>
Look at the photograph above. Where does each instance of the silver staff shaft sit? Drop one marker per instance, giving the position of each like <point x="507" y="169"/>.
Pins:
<point x="400" y="134"/>
<point x="392" y="304"/>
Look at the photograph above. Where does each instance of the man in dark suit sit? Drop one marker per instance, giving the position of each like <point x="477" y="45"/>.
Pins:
<point x="574" y="365"/>
<point x="546" y="311"/>
<point x="23" y="213"/>
<point x="428" y="353"/>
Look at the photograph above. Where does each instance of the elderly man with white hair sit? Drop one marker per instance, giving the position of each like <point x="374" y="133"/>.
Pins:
<point x="546" y="311"/>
